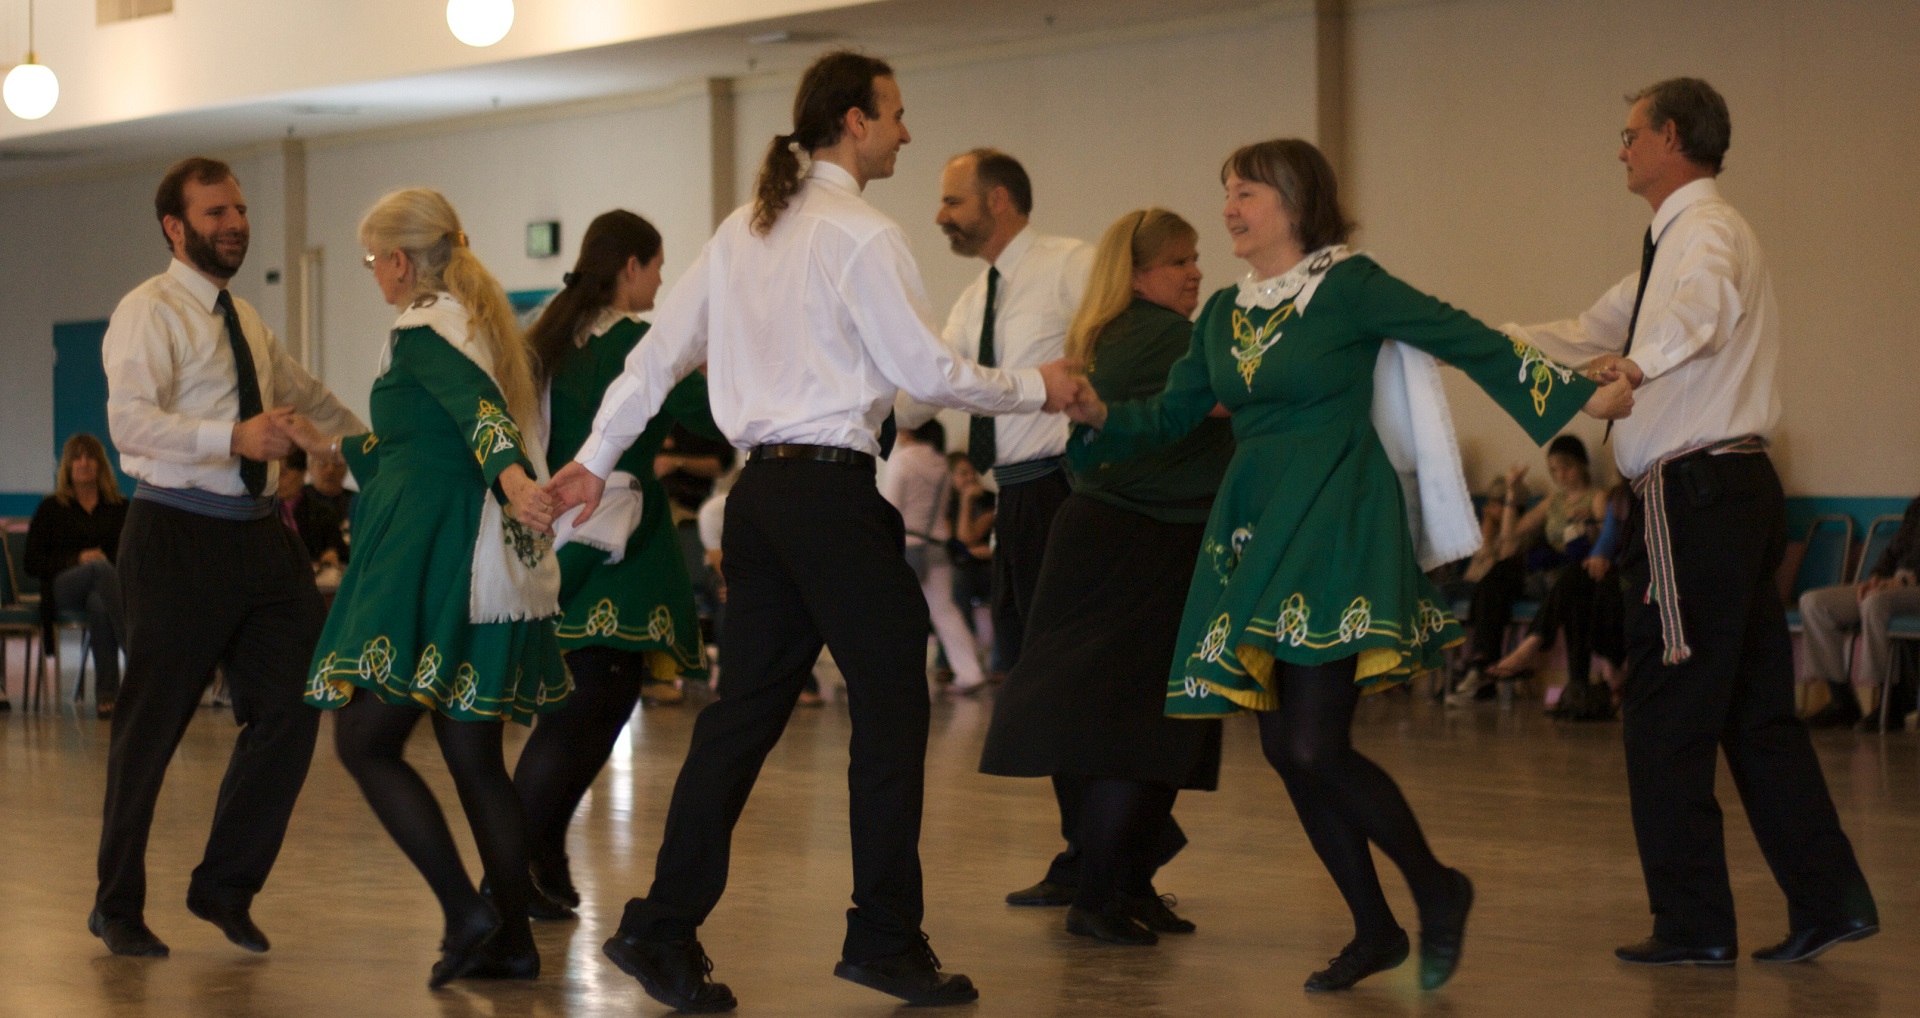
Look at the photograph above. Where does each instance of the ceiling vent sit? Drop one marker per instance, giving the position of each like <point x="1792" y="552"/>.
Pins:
<point x="107" y="12"/>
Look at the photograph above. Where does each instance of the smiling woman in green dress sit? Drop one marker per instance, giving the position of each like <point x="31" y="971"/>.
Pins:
<point x="629" y="617"/>
<point x="447" y="607"/>
<point x="1307" y="588"/>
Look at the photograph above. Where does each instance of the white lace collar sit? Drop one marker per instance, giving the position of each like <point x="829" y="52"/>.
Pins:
<point x="1297" y="283"/>
<point x="610" y="316"/>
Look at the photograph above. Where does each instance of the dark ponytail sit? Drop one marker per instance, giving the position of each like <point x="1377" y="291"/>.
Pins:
<point x="611" y="239"/>
<point x="836" y="83"/>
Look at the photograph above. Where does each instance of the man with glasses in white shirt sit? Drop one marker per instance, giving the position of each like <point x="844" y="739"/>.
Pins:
<point x="809" y="312"/>
<point x="1698" y="333"/>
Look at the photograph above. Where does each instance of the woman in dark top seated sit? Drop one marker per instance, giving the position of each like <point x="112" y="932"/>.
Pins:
<point x="1085" y="705"/>
<point x="71" y="546"/>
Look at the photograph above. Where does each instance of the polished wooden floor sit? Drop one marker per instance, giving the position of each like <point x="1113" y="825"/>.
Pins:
<point x="1534" y="810"/>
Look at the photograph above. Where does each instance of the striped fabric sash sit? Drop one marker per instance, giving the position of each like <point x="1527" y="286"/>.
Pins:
<point x="206" y="503"/>
<point x="1663" y="587"/>
<point x="1031" y="470"/>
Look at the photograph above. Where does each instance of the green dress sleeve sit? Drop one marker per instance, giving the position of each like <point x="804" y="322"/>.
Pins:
<point x="1535" y="391"/>
<point x="1137" y="426"/>
<point x="687" y="404"/>
<point x="362" y="453"/>
<point x="469" y="396"/>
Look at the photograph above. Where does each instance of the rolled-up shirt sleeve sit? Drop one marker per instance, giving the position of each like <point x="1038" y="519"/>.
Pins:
<point x="139" y="358"/>
<point x="674" y="347"/>
<point x="1704" y="308"/>
<point x="883" y="294"/>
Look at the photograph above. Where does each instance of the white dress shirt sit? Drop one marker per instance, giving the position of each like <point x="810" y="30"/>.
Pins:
<point x="1042" y="279"/>
<point x="173" y="393"/>
<point x="808" y="334"/>
<point x="1708" y="339"/>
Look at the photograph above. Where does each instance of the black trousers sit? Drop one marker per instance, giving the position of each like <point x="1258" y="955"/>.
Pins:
<point x="813" y="556"/>
<point x="1728" y="522"/>
<point x="200" y="592"/>
<point x="1023" y="517"/>
<point x="1157" y="844"/>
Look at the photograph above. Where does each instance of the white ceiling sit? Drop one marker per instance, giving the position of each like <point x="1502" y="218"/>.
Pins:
<point x="889" y="28"/>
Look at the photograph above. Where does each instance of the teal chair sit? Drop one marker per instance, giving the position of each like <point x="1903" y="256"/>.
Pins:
<point x="1829" y="540"/>
<point x="19" y="618"/>
<point x="26" y="587"/>
<point x="1901" y="627"/>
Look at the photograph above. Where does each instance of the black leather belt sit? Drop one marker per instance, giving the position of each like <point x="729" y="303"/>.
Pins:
<point x="818" y="453"/>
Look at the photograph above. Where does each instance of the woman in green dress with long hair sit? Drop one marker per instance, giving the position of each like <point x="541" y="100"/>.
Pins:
<point x="628" y="602"/>
<point x="1308" y="588"/>
<point x="446" y="610"/>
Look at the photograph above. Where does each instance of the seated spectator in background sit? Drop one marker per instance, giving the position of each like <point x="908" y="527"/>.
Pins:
<point x="72" y="544"/>
<point x="1496" y="580"/>
<point x="327" y="485"/>
<point x="320" y="526"/>
<point x="1831" y="615"/>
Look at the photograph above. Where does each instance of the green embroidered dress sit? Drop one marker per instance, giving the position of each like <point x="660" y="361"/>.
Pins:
<point x="400" y="625"/>
<point x="1307" y="556"/>
<point x="644" y="602"/>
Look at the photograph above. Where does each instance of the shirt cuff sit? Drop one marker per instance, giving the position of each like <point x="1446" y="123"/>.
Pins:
<point x="598" y="456"/>
<point x="215" y="440"/>
<point x="1032" y="389"/>
<point x="1653" y="363"/>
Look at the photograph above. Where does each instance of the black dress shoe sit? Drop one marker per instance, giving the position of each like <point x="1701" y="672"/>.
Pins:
<point x="1155" y="912"/>
<point x="1654" y="951"/>
<point x="498" y="964"/>
<point x="128" y="938"/>
<point x="676" y="973"/>
<point x="540" y="907"/>
<point x="1111" y="925"/>
<point x="1357" y="961"/>
<point x="555" y="880"/>
<point x="1811" y="943"/>
<point x="463" y="950"/>
<point x="1046" y="892"/>
<point x="1444" y="933"/>
<point x="234" y="921"/>
<point x="912" y="975"/>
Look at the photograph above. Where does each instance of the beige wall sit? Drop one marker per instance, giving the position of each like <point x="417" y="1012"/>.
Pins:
<point x="1485" y="171"/>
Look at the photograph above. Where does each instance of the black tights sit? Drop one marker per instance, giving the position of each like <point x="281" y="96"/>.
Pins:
<point x="1120" y="825"/>
<point x="568" y="747"/>
<point x="371" y="738"/>
<point x="1344" y="799"/>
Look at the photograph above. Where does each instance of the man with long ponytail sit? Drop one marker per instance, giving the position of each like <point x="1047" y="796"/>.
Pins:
<point x="808" y="309"/>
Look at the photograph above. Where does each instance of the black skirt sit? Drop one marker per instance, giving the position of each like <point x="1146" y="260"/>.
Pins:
<point x="1090" y="691"/>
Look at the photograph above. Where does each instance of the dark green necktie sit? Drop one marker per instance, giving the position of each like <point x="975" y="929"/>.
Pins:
<point x="1633" y="323"/>
<point x="980" y="447"/>
<point x="253" y="473"/>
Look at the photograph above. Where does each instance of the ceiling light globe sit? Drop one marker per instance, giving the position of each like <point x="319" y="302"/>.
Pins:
<point x="31" y="90"/>
<point x="479" y="22"/>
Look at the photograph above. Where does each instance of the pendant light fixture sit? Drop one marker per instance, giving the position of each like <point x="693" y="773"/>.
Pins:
<point x="479" y="22"/>
<point x="31" y="89"/>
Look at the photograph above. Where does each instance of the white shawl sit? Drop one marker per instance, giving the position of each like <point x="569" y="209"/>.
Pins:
<point x="1411" y="416"/>
<point x="621" y="508"/>
<point x="506" y="587"/>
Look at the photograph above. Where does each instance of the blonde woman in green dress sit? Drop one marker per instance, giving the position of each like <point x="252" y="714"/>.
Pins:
<point x="446" y="610"/>
<point x="629" y="617"/>
<point x="1308" y="588"/>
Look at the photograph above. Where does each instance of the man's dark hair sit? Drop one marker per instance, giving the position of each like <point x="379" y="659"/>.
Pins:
<point x="1698" y="115"/>
<point x="838" y="82"/>
<point x="171" y="199"/>
<point x="993" y="168"/>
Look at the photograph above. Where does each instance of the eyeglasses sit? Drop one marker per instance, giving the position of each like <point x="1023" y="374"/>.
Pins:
<point x="1627" y="135"/>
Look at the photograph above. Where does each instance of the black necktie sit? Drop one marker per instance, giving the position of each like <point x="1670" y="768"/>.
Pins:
<point x="1639" y="294"/>
<point x="980" y="448"/>
<point x="253" y="473"/>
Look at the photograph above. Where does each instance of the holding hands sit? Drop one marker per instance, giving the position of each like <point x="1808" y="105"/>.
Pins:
<point x="1064" y="378"/>
<point x="1608" y="367"/>
<point x="1614" y="399"/>
<point x="263" y="437"/>
<point x="575" y="485"/>
<point x="531" y="504"/>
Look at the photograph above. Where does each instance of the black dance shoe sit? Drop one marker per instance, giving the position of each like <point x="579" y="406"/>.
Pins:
<point x="555" y="880"/>
<point x="496" y="963"/>
<point x="913" y="975"/>
<point x="233" y="920"/>
<point x="1814" y="941"/>
<point x="1155" y="912"/>
<point x="1654" y="951"/>
<point x="1444" y="934"/>
<point x="1357" y="961"/>
<point x="1110" y="925"/>
<point x="676" y="973"/>
<point x="463" y="950"/>
<point x="1044" y="893"/>
<point x="540" y="906"/>
<point x="128" y="938"/>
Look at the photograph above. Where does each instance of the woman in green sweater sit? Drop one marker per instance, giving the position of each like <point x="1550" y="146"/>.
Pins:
<point x="1084" y="707"/>
<point x="1307" y="587"/>
<point x="628" y="603"/>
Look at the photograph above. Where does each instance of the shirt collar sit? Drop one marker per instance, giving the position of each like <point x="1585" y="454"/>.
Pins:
<point x="1011" y="254"/>
<point x="833" y="173"/>
<point x="198" y="285"/>
<point x="1679" y="201"/>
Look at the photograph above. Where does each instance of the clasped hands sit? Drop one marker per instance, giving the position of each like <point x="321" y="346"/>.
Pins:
<point x="1617" y="377"/>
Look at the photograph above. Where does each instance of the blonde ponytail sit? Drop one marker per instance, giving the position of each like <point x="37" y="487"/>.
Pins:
<point x="421" y="222"/>
<point x="1135" y="241"/>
